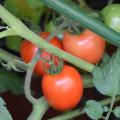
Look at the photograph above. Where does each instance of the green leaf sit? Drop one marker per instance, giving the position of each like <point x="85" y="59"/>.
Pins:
<point x="4" y="113"/>
<point x="50" y="26"/>
<point x="93" y="109"/>
<point x="11" y="81"/>
<point x="116" y="111"/>
<point x="105" y="108"/>
<point x="107" y="77"/>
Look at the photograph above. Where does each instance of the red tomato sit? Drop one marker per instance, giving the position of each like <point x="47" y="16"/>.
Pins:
<point x="28" y="50"/>
<point x="88" y="45"/>
<point x="64" y="90"/>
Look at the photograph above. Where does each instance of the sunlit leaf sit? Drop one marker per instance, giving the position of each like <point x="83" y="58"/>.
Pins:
<point x="107" y="77"/>
<point x="93" y="109"/>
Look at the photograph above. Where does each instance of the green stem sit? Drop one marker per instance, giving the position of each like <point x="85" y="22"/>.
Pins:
<point x="81" y="111"/>
<point x="74" y="12"/>
<point x="111" y="107"/>
<point x="69" y="115"/>
<point x="57" y="29"/>
<point x="88" y="82"/>
<point x="39" y="110"/>
<point x="26" y="33"/>
<point x="28" y="77"/>
<point x="112" y="101"/>
<point x="9" y="32"/>
<point x="7" y="57"/>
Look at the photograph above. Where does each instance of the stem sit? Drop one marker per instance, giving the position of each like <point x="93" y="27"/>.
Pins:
<point x="74" y="12"/>
<point x="30" y="69"/>
<point x="111" y="107"/>
<point x="26" y="33"/>
<point x="81" y="111"/>
<point x="112" y="101"/>
<point x="69" y="115"/>
<point x="7" y="57"/>
<point x="39" y="110"/>
<point x="57" y="29"/>
<point x="8" y="32"/>
<point x="88" y="82"/>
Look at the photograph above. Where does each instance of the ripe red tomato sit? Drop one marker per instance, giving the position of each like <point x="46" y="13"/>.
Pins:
<point x="64" y="90"/>
<point x="28" y="50"/>
<point x="88" y="45"/>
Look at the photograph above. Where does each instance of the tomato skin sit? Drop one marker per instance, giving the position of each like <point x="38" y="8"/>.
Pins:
<point x="111" y="16"/>
<point x="64" y="90"/>
<point x="28" y="51"/>
<point x="87" y="46"/>
<point x="54" y="41"/>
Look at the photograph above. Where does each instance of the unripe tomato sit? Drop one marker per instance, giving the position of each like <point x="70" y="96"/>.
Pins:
<point x="111" y="16"/>
<point x="88" y="45"/>
<point x="64" y="90"/>
<point x="28" y="51"/>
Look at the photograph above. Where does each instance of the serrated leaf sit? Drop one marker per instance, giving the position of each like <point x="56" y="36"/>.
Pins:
<point x="93" y="109"/>
<point x="116" y="111"/>
<point x="107" y="77"/>
<point x="4" y="113"/>
<point x="11" y="81"/>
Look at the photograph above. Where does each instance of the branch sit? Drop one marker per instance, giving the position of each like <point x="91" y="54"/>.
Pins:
<point x="28" y="79"/>
<point x="39" y="110"/>
<point x="8" y="32"/>
<point x="7" y="57"/>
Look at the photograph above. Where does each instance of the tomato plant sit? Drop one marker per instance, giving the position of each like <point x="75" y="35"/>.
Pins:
<point x="64" y="90"/>
<point x="61" y="87"/>
<point x="28" y="51"/>
<point x="88" y="45"/>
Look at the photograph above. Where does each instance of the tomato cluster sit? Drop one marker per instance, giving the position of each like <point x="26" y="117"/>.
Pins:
<point x="28" y="51"/>
<point x="64" y="90"/>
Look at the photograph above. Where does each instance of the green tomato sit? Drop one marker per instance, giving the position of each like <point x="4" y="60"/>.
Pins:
<point x="13" y="43"/>
<point x="111" y="16"/>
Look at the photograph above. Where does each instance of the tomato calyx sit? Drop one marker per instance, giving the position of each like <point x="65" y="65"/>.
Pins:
<point x="55" y="66"/>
